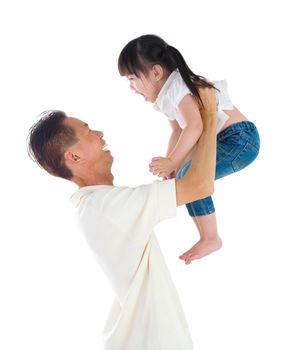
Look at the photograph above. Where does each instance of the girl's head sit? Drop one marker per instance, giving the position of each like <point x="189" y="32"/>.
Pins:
<point x="148" y="60"/>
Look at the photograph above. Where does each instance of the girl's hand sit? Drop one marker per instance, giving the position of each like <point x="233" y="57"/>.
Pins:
<point x="163" y="167"/>
<point x="171" y="176"/>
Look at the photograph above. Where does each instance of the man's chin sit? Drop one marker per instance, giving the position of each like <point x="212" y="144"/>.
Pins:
<point x="111" y="158"/>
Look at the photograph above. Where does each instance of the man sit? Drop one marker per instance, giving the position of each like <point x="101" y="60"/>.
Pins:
<point x="118" y="224"/>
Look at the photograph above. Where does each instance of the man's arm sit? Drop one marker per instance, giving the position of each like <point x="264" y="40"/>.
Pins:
<point x="198" y="182"/>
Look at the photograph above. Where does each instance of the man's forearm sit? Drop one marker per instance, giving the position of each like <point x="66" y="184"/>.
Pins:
<point x="198" y="182"/>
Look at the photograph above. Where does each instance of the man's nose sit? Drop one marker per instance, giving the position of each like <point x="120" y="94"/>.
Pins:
<point x="99" y="133"/>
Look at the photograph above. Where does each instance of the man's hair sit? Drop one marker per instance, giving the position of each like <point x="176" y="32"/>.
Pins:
<point x="49" y="138"/>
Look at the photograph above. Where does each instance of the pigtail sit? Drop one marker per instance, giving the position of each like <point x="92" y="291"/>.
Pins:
<point x="192" y="80"/>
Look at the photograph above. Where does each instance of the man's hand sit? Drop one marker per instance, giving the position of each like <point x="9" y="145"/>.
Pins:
<point x="163" y="167"/>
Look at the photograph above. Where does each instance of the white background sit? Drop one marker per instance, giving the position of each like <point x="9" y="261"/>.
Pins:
<point x="63" y="55"/>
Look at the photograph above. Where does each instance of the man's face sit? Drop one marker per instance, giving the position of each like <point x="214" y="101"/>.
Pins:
<point x="91" y="147"/>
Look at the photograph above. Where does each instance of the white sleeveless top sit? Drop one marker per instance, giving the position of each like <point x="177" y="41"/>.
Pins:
<point x="174" y="91"/>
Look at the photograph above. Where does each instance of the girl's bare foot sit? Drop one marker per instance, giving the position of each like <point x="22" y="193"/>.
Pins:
<point x="203" y="247"/>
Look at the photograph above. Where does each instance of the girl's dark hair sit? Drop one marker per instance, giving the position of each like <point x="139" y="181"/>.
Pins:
<point x="140" y="54"/>
<point x="48" y="140"/>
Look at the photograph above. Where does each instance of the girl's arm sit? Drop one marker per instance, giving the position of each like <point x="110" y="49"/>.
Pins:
<point x="188" y="108"/>
<point x="176" y="131"/>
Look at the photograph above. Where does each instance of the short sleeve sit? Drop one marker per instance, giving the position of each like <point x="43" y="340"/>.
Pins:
<point x="166" y="199"/>
<point x="224" y="101"/>
<point x="178" y="91"/>
<point x="145" y="205"/>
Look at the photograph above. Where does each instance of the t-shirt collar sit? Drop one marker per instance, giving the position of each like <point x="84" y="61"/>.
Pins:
<point x="82" y="191"/>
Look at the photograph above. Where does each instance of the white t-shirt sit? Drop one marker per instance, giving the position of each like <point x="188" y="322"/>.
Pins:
<point x="118" y="224"/>
<point x="174" y="90"/>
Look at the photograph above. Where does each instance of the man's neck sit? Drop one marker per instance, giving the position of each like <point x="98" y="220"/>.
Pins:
<point x="93" y="180"/>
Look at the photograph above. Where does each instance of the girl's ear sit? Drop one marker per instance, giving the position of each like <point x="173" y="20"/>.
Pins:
<point x="158" y="72"/>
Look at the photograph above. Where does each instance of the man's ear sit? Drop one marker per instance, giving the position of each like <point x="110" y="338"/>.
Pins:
<point x="71" y="157"/>
<point x="158" y="72"/>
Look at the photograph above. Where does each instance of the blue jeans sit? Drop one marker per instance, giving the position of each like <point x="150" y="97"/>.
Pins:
<point x="237" y="147"/>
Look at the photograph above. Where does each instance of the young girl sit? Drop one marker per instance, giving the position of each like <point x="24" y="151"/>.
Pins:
<point x="160" y="74"/>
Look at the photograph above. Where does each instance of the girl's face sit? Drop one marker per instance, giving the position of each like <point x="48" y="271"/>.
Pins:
<point x="147" y="86"/>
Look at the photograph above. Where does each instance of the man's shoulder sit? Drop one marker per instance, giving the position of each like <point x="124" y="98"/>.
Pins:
<point x="109" y="191"/>
<point x="120" y="194"/>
